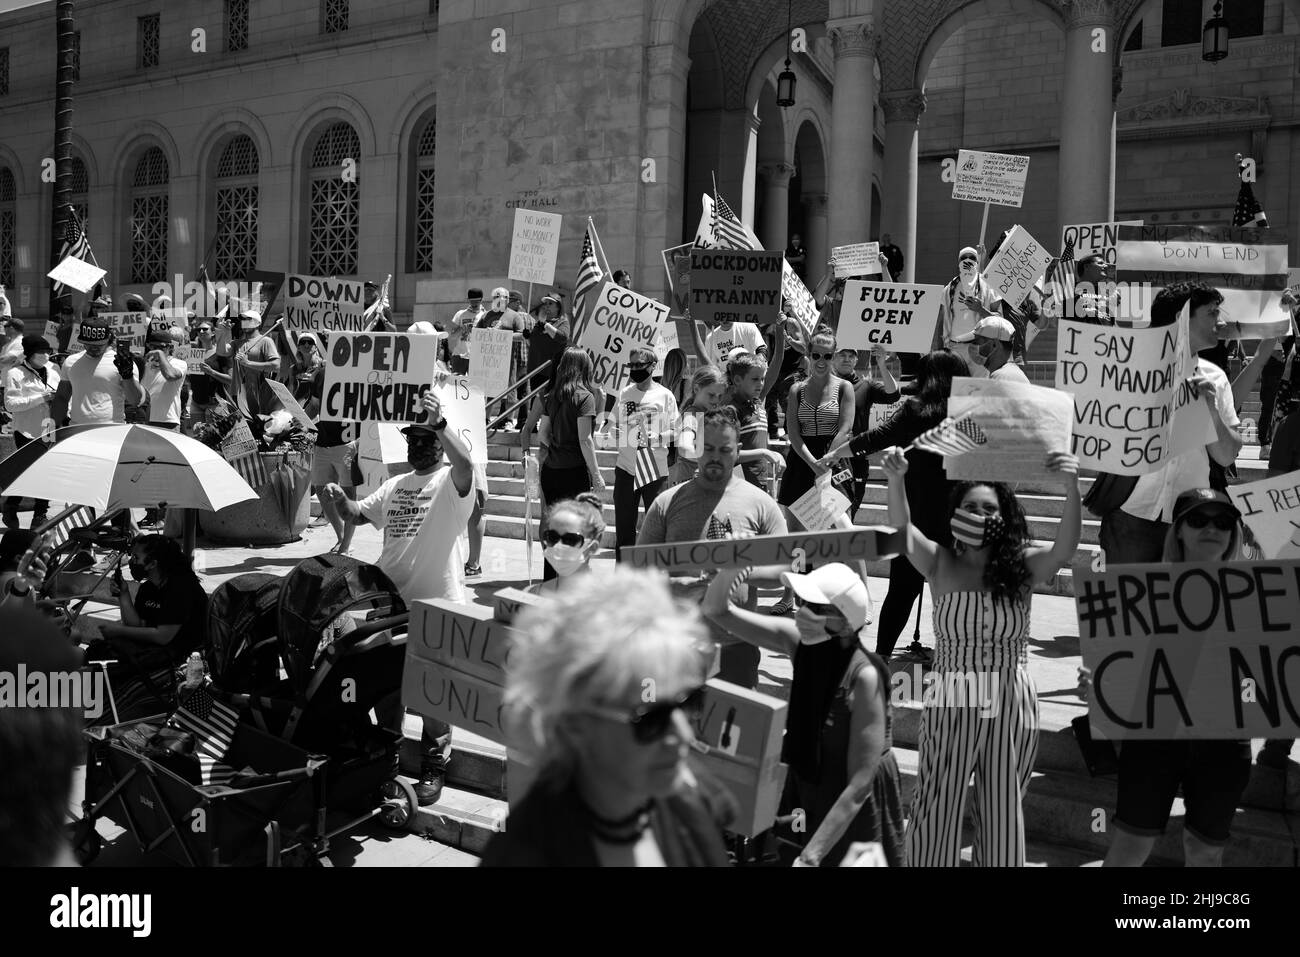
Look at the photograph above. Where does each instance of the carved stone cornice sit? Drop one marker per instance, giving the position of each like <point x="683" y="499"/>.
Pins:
<point x="1088" y="13"/>
<point x="1116" y="83"/>
<point x="854" y="39"/>
<point x="906" y="106"/>
<point x="1181" y="112"/>
<point x="816" y="204"/>
<point x="777" y="173"/>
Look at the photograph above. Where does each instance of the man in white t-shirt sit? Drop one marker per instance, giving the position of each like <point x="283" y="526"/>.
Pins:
<point x="991" y="348"/>
<point x="458" y="331"/>
<point x="422" y="514"/>
<point x="164" y="380"/>
<point x="97" y="383"/>
<point x="966" y="300"/>
<point x="644" y="415"/>
<point x="728" y="337"/>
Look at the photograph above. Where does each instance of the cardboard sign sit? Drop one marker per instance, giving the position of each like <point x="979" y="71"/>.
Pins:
<point x="819" y="507"/>
<point x="901" y="317"/>
<point x="1192" y="651"/>
<point x="52" y="332"/>
<point x="290" y="404"/>
<point x="435" y="691"/>
<point x="1089" y="238"/>
<point x="238" y="442"/>
<point x="997" y="178"/>
<point x="859" y="259"/>
<point x="815" y="548"/>
<point x="466" y="410"/>
<point x="677" y="264"/>
<point x="1132" y="406"/>
<point x="742" y="731"/>
<point x="193" y="357"/>
<point x="621" y="321"/>
<point x="802" y="304"/>
<point x="534" y="246"/>
<point x="507" y="603"/>
<point x="736" y="285"/>
<point x="489" y="360"/>
<point x="77" y="273"/>
<point x="880" y="413"/>
<point x="465" y="638"/>
<point x="1271" y="508"/>
<point x="1020" y="262"/>
<point x="313" y="304"/>
<point x="1023" y="424"/>
<point x="377" y="376"/>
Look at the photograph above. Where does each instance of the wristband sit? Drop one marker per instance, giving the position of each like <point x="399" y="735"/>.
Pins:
<point x="439" y="425"/>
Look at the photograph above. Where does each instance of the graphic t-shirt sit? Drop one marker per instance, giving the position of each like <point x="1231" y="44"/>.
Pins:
<point x="645" y="416"/>
<point x="422" y="517"/>
<point x="742" y="335"/>
<point x="98" y="392"/>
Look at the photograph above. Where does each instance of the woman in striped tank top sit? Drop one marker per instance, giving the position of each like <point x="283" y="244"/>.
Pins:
<point x="981" y="588"/>
<point x="819" y="417"/>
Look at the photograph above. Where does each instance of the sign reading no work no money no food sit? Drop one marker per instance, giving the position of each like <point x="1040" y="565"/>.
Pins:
<point x="534" y="246"/>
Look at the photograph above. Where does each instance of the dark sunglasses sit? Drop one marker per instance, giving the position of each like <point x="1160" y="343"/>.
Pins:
<point x="968" y="259"/>
<point x="1223" y="521"/>
<point x="572" y="539"/>
<point x="651" y="722"/>
<point x="818" y="356"/>
<point x="416" y="438"/>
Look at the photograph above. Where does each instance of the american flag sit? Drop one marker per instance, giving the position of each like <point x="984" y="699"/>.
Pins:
<point x="647" y="467"/>
<point x="213" y="726"/>
<point x="728" y="231"/>
<point x="589" y="277"/>
<point x="250" y="469"/>
<point x="952" y="437"/>
<point x="74" y="242"/>
<point x="1060" y="276"/>
<point x="82" y="517"/>
<point x="377" y="310"/>
<point x="1248" y="211"/>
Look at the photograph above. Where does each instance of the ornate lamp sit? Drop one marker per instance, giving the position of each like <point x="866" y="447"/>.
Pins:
<point x="785" y="79"/>
<point x="1214" y="38"/>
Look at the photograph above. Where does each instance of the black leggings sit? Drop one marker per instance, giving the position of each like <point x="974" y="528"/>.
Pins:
<point x="905" y="587"/>
<point x="627" y="507"/>
<point x="557" y="485"/>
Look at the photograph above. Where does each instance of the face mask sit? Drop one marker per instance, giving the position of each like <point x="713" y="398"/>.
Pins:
<point x="137" y="571"/>
<point x="812" y="628"/>
<point x="967" y="272"/>
<point x="499" y="305"/>
<point x="975" y="530"/>
<point x="38" y="360"/>
<point x="981" y="354"/>
<point x="638" y="375"/>
<point x="565" y="559"/>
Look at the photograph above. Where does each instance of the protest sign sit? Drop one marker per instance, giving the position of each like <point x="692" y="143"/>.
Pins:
<point x="324" y="305"/>
<point x="997" y="178"/>
<point x="1271" y="508"/>
<point x="816" y="548"/>
<point x="508" y="603"/>
<point x="736" y="285"/>
<point x="1248" y="266"/>
<point x="465" y="638"/>
<point x="432" y="690"/>
<point x="1133" y="408"/>
<point x="742" y="731"/>
<point x="1023" y="424"/>
<point x="377" y="376"/>
<point x="819" y="507"/>
<point x="880" y="413"/>
<point x="901" y="317"/>
<point x="1088" y="238"/>
<point x="466" y="412"/>
<point x="489" y="360"/>
<point x="77" y="273"/>
<point x="621" y="321"/>
<point x="52" y="332"/>
<point x="193" y="357"/>
<point x="802" y="304"/>
<point x="290" y="404"/>
<point x="534" y="246"/>
<point x="677" y="264"/>
<point x="859" y="259"/>
<point x="1200" y="651"/>
<point x="1020" y="262"/>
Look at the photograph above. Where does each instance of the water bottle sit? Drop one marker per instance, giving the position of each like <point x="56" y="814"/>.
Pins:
<point x="195" y="671"/>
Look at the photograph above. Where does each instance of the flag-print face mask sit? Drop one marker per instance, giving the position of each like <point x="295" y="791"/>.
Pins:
<point x="975" y="529"/>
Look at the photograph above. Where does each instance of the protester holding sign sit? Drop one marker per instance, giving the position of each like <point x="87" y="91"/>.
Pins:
<point x="967" y="299"/>
<point x="507" y="314"/>
<point x="29" y="391"/>
<point x="1212" y="774"/>
<point x="843" y="773"/>
<point x="254" y="359"/>
<point x="571" y="534"/>
<point x="614" y="787"/>
<point x="981" y="587"/>
<point x="567" y="452"/>
<point x="645" y="415"/>
<point x="336" y="459"/>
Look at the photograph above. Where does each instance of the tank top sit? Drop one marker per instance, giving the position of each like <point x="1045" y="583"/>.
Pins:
<point x="821" y="420"/>
<point x="973" y="631"/>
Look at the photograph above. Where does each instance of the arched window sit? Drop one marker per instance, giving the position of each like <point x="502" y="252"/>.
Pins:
<point x="334" y="203"/>
<point x="237" y="208"/>
<point x="8" y="230"/>
<point x="425" y="141"/>
<point x="149" y="218"/>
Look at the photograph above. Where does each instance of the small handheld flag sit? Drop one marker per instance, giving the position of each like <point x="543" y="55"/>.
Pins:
<point x="951" y="437"/>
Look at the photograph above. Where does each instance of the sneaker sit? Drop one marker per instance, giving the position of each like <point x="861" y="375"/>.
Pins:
<point x="429" y="788"/>
<point x="918" y="652"/>
<point x="783" y="607"/>
<point x="473" y="571"/>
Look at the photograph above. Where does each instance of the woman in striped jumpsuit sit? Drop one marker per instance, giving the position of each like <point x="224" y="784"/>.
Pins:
<point x="981" y="588"/>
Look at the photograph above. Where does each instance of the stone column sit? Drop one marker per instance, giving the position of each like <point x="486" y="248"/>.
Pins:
<point x="1087" y="114"/>
<point x="814" y="235"/>
<point x="663" y="133"/>
<point x="852" y="149"/>
<point x="749" y="185"/>
<point x="1116" y="86"/>
<point x="776" y="205"/>
<point x="902" y="114"/>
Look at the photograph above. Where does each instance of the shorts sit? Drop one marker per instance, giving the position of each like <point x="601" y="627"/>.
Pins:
<point x="337" y="463"/>
<point x="1213" y="774"/>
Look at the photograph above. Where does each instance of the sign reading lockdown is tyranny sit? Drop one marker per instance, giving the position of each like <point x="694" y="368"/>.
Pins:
<point x="377" y="377"/>
<point x="313" y="304"/>
<point x="997" y="178"/>
<point x="621" y="321"/>
<point x="534" y="246"/>
<point x="736" y="285"/>
<point x="901" y="317"/>
<point x="1192" y="650"/>
<point x="1020" y="261"/>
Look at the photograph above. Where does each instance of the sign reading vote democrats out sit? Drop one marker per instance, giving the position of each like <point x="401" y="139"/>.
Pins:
<point x="736" y="285"/>
<point x="313" y="304"/>
<point x="621" y="321"/>
<point x="1020" y="261"/>
<point x="997" y="178"/>
<point x="901" y="317"/>
<point x="377" y="377"/>
<point x="534" y="246"/>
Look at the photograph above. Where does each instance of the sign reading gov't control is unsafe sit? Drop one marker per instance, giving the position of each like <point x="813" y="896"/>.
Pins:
<point x="736" y="285"/>
<point x="900" y="317"/>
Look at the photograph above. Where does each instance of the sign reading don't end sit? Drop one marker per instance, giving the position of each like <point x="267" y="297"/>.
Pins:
<point x="900" y="317"/>
<point x="377" y="377"/>
<point x="736" y="285"/>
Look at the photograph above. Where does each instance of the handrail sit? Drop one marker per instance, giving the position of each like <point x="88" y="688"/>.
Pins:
<point x="514" y="385"/>
<point x="504" y="416"/>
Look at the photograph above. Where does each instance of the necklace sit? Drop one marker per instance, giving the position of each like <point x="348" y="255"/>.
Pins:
<point x="623" y="830"/>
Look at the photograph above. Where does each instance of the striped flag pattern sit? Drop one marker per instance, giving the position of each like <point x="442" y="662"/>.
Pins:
<point x="79" y="519"/>
<point x="952" y="437"/>
<point x="728" y="231"/>
<point x="589" y="277"/>
<point x="74" y="243"/>
<point x="647" y="467"/>
<point x="1248" y="212"/>
<point x="1060" y="278"/>
<point x="251" y="469"/>
<point x="213" y="726"/>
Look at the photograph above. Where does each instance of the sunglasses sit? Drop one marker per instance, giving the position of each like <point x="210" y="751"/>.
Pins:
<point x="1223" y="521"/>
<point x="651" y="722"/>
<point x="818" y="356"/>
<point x="552" y="538"/>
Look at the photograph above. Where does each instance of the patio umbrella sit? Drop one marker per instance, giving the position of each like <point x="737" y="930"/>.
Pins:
<point x="17" y="462"/>
<point x="131" y="466"/>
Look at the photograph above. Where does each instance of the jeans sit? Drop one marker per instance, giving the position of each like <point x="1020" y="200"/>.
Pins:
<point x="1128" y="540"/>
<point x="627" y="505"/>
<point x="557" y="485"/>
<point x="435" y="742"/>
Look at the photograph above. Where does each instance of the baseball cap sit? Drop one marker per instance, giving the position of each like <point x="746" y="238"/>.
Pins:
<point x="422" y="327"/>
<point x="94" y="329"/>
<point x="1196" y="498"/>
<point x="249" y="316"/>
<point x="835" y="584"/>
<point x="421" y="428"/>
<point x="554" y="299"/>
<point x="995" y="327"/>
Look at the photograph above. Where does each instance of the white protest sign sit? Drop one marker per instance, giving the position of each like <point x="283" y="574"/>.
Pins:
<point x="1020" y="262"/>
<point x="534" y="246"/>
<point x="1089" y="238"/>
<point x="77" y="273"/>
<point x="1023" y="424"/>
<point x="820" y="507"/>
<point x="489" y="360"/>
<point x="1132" y="406"/>
<point x="465" y="409"/>
<point x="1271" y="508"/>
<point x="52" y="331"/>
<point x="859" y="259"/>
<point x="997" y="178"/>
<point x="802" y="304"/>
<point x="901" y="317"/>
<point x="193" y="357"/>
<point x="620" y="321"/>
<point x="313" y="304"/>
<point x="377" y="376"/>
<point x="290" y="404"/>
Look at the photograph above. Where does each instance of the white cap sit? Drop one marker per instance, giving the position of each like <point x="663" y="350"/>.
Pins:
<point x="995" y="327"/>
<point x="422" y="327"/>
<point x="835" y="584"/>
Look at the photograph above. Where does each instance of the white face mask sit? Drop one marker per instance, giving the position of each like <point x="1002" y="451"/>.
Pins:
<point x="38" y="360"/>
<point x="812" y="628"/>
<point x="499" y="304"/>
<point x="565" y="559"/>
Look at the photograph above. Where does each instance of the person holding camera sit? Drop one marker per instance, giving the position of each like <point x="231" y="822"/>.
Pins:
<point x="164" y="381"/>
<point x="99" y="382"/>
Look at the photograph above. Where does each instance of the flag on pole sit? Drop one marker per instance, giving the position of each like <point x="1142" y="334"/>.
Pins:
<point x="380" y="305"/>
<point x="589" y="278"/>
<point x="213" y="726"/>
<point x="1060" y="276"/>
<point x="74" y="243"/>
<point x="952" y="437"/>
<point x="647" y="467"/>
<point x="1248" y="211"/>
<point x="728" y="231"/>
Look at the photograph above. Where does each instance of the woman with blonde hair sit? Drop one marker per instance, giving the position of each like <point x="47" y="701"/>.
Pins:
<point x="570" y="536"/>
<point x="602" y="685"/>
